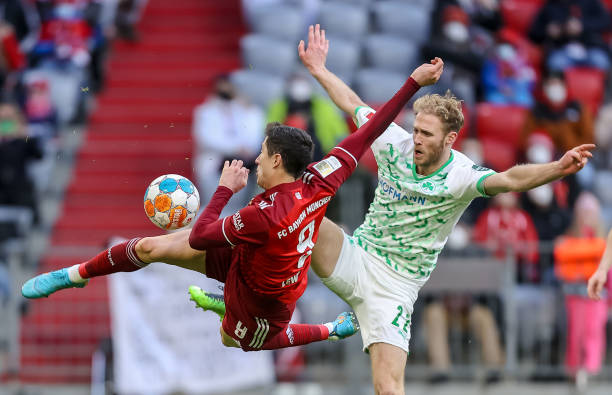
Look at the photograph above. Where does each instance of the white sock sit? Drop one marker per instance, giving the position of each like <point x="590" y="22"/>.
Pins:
<point x="74" y="275"/>
<point x="330" y="326"/>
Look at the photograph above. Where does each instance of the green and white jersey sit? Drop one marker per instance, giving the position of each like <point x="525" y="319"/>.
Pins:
<point x="411" y="216"/>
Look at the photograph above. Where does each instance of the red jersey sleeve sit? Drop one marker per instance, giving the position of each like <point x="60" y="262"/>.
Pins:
<point x="249" y="225"/>
<point x="338" y="165"/>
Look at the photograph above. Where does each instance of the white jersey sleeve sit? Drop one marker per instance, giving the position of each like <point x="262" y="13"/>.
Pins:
<point x="467" y="182"/>
<point x="394" y="134"/>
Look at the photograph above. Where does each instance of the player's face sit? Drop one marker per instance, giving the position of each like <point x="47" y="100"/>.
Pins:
<point x="430" y="142"/>
<point x="264" y="164"/>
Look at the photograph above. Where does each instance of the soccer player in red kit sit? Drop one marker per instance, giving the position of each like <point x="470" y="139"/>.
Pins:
<point x="262" y="252"/>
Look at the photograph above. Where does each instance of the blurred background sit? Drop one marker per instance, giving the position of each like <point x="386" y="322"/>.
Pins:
<point x="99" y="97"/>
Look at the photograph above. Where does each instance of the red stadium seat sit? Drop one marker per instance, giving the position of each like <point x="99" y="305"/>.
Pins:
<point x="498" y="129"/>
<point x="518" y="14"/>
<point x="586" y="85"/>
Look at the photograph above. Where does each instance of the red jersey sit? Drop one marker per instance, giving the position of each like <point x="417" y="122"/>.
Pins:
<point x="274" y="235"/>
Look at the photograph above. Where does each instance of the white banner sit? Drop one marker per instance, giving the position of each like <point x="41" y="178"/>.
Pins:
<point x="162" y="344"/>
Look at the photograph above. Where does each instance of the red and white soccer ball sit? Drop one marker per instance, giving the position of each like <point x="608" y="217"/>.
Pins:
<point x="171" y="201"/>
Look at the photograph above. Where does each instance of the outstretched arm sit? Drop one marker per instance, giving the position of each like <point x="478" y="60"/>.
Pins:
<point x="598" y="279"/>
<point x="313" y="57"/>
<point x="208" y="229"/>
<point x="357" y="143"/>
<point x="521" y="178"/>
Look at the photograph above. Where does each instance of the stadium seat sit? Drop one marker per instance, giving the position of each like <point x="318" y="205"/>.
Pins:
<point x="586" y="85"/>
<point x="390" y="52"/>
<point x="403" y="18"/>
<point x="498" y="128"/>
<point x="345" y="20"/>
<point x="378" y="85"/>
<point x="343" y="57"/>
<point x="284" y="22"/>
<point x="260" y="88"/>
<point x="518" y="14"/>
<point x="267" y="54"/>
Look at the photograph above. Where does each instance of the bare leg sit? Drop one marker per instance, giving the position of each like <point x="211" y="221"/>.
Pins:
<point x="388" y="365"/>
<point x="227" y="340"/>
<point x="327" y="248"/>
<point x="172" y="248"/>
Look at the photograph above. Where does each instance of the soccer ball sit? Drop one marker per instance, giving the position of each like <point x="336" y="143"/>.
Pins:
<point x="171" y="201"/>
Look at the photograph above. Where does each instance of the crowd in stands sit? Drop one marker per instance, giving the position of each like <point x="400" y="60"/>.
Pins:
<point x="51" y="61"/>
<point x="533" y="77"/>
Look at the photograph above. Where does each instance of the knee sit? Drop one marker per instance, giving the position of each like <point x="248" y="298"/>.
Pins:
<point x="147" y="249"/>
<point x="388" y="386"/>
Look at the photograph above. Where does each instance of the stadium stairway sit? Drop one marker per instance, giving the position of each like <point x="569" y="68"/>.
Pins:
<point x="140" y="130"/>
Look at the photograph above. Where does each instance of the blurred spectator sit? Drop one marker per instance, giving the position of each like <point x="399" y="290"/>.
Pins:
<point x="11" y="58"/>
<point x="22" y="17"/>
<point x="505" y="225"/>
<point x="16" y="150"/>
<point x="437" y="318"/>
<point x="571" y="33"/>
<point x="567" y="122"/>
<point x="225" y="127"/>
<point x="463" y="49"/>
<point x="302" y="108"/>
<point x="40" y="111"/>
<point x="507" y="78"/>
<point x="548" y="205"/>
<point x="577" y="256"/>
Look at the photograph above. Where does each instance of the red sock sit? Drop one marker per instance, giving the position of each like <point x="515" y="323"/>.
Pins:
<point x="119" y="258"/>
<point x="297" y="335"/>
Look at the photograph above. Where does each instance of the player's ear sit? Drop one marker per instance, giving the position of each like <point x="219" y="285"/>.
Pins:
<point x="278" y="160"/>
<point x="451" y="137"/>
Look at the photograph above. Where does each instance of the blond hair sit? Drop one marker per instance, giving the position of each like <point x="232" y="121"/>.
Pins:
<point x="447" y="108"/>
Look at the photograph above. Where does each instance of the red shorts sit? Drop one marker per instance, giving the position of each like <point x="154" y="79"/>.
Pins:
<point x="250" y="318"/>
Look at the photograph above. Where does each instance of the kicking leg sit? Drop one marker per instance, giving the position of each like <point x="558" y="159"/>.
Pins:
<point x="388" y="366"/>
<point x="128" y="256"/>
<point x="327" y="248"/>
<point x="343" y="326"/>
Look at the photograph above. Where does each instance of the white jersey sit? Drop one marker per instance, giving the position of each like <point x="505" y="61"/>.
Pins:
<point x="411" y="216"/>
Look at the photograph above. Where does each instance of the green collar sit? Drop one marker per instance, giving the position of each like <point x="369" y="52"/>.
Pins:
<point x="419" y="178"/>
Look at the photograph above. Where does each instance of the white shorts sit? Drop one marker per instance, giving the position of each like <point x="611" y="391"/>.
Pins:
<point x="382" y="299"/>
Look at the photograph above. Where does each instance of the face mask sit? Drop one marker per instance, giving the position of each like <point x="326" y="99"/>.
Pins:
<point x="8" y="126"/>
<point x="538" y="154"/>
<point x="506" y="52"/>
<point x="556" y="93"/>
<point x="541" y="196"/>
<point x="300" y="91"/>
<point x="456" y="31"/>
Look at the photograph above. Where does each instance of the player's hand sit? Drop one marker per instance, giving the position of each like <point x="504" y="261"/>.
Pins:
<point x="314" y="55"/>
<point x="428" y="73"/>
<point x="575" y="159"/>
<point x="595" y="284"/>
<point x="234" y="175"/>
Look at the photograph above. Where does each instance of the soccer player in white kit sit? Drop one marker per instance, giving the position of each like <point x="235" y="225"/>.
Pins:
<point x="423" y="188"/>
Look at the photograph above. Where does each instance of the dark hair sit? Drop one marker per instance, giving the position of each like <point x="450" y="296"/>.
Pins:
<point x="294" y="146"/>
